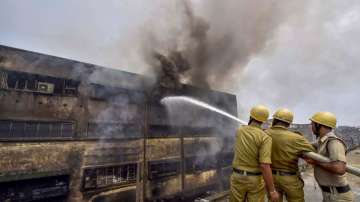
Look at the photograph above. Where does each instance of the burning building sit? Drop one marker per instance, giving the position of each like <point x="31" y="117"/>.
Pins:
<point x="71" y="131"/>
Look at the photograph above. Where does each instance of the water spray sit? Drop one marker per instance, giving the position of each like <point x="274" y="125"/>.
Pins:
<point x="312" y="155"/>
<point x="201" y="104"/>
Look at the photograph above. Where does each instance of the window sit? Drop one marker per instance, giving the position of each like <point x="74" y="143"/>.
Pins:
<point x="3" y="79"/>
<point x="163" y="169"/>
<point x="109" y="176"/>
<point x="40" y="84"/>
<point x="5" y="128"/>
<point x="226" y="159"/>
<point x="118" y="97"/>
<point x="114" y="130"/>
<point x="35" y="189"/>
<point x="200" y="163"/>
<point x="198" y="131"/>
<point x="162" y="130"/>
<point x="157" y="130"/>
<point x="104" y="92"/>
<point x="35" y="129"/>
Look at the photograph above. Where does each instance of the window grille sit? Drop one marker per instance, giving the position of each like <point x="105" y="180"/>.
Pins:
<point x="36" y="129"/>
<point x="109" y="176"/>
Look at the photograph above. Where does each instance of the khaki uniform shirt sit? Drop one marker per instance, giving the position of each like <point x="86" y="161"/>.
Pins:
<point x="252" y="147"/>
<point x="335" y="150"/>
<point x="287" y="147"/>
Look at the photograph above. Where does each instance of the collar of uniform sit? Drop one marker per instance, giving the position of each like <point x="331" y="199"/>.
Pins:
<point x="325" y="137"/>
<point x="279" y="127"/>
<point x="255" y="126"/>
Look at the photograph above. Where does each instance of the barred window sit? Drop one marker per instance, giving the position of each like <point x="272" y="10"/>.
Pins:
<point x="35" y="129"/>
<point x="109" y="176"/>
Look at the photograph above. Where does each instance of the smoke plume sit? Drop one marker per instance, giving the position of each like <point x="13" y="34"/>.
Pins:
<point x="282" y="53"/>
<point x="204" y="45"/>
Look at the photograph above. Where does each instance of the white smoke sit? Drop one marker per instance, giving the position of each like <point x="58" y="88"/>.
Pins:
<point x="310" y="65"/>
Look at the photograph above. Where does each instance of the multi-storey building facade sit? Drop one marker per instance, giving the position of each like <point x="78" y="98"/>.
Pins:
<point x="72" y="131"/>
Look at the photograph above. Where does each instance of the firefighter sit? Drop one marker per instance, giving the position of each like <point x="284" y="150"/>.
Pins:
<point x="330" y="176"/>
<point x="287" y="148"/>
<point x="251" y="164"/>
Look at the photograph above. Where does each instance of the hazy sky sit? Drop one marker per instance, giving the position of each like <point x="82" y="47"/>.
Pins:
<point x="310" y="63"/>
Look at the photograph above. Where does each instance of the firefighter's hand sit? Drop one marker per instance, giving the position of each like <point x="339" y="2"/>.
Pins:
<point x="274" y="196"/>
<point x="310" y="161"/>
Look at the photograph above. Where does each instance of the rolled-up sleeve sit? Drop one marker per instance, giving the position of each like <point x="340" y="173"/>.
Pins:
<point x="336" y="151"/>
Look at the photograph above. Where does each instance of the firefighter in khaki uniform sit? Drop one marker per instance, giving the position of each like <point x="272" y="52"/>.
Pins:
<point x="331" y="176"/>
<point x="287" y="148"/>
<point x="251" y="164"/>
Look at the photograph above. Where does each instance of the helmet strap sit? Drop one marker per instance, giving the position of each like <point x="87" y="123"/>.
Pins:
<point x="250" y="120"/>
<point x="317" y="130"/>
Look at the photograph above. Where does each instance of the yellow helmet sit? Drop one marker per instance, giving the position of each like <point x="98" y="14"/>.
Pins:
<point x="324" y="118"/>
<point x="284" y="114"/>
<point x="259" y="113"/>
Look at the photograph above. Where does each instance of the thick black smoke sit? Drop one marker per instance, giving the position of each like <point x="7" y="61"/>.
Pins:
<point x="207" y="44"/>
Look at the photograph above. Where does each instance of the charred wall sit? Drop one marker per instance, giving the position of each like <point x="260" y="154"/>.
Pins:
<point x="99" y="134"/>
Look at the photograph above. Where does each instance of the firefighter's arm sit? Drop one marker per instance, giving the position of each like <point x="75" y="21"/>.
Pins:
<point x="337" y="156"/>
<point x="336" y="167"/>
<point x="270" y="187"/>
<point x="264" y="164"/>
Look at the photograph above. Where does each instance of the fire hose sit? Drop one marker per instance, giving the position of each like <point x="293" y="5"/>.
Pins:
<point x="323" y="159"/>
<point x="312" y="155"/>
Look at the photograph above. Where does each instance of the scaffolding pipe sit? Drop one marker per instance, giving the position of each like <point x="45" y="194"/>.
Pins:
<point x="323" y="159"/>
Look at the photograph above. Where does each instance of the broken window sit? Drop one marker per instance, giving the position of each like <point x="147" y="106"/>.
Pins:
<point x="108" y="176"/>
<point x="35" y="129"/>
<point x="40" y="84"/>
<point x="163" y="169"/>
